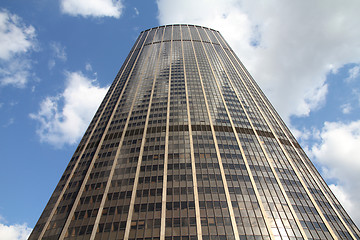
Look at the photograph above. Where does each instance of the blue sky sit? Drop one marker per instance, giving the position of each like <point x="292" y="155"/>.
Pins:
<point x="57" y="59"/>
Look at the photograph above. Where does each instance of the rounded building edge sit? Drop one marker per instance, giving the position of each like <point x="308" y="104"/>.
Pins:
<point x="179" y="24"/>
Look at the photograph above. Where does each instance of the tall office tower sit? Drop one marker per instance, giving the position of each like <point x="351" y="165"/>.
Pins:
<point x="186" y="146"/>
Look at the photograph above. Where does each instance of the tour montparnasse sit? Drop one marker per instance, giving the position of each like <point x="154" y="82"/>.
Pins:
<point x="186" y="146"/>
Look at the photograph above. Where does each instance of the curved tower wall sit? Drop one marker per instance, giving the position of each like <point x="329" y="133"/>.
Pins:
<point x="185" y="145"/>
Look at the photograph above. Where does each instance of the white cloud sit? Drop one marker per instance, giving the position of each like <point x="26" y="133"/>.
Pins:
<point x="88" y="67"/>
<point x="16" y="40"/>
<point x="51" y="63"/>
<point x="64" y="118"/>
<point x="15" y="37"/>
<point x="346" y="108"/>
<point x="289" y="47"/>
<point x="15" y="72"/>
<point x="353" y="73"/>
<point x="92" y="8"/>
<point x="136" y="11"/>
<point x="13" y="103"/>
<point x="9" y="122"/>
<point x="305" y="134"/>
<point x="339" y="155"/>
<point x="342" y="195"/>
<point x="58" y="52"/>
<point x="14" y="232"/>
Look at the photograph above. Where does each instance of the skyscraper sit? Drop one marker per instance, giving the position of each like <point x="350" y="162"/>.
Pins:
<point x="186" y="146"/>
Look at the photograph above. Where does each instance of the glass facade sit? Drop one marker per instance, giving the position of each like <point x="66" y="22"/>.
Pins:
<point x="185" y="146"/>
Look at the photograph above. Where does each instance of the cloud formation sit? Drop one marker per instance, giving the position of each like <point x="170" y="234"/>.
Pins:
<point x="14" y="232"/>
<point x="339" y="154"/>
<point x="16" y="40"/>
<point x="92" y="8"/>
<point x="58" y="52"/>
<point x="136" y="11"/>
<point x="63" y="118"/>
<point x="346" y="108"/>
<point x="354" y="73"/>
<point x="289" y="47"/>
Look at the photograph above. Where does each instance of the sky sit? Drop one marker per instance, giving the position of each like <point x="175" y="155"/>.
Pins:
<point x="58" y="58"/>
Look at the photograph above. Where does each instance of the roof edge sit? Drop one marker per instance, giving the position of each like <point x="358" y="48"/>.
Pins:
<point x="180" y="24"/>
